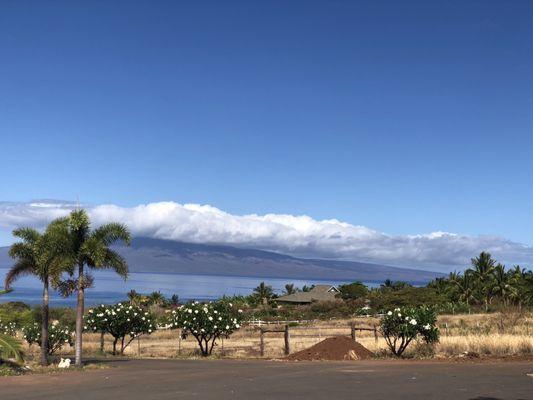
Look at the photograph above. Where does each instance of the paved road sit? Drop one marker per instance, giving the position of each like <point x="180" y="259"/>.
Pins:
<point x="233" y="379"/>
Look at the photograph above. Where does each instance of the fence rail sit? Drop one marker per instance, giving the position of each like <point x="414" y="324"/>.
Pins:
<point x="287" y="334"/>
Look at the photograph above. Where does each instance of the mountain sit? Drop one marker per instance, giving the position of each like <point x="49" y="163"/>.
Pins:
<point x="165" y="256"/>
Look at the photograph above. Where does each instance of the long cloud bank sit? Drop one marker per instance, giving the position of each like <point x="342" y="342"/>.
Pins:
<point x="296" y="235"/>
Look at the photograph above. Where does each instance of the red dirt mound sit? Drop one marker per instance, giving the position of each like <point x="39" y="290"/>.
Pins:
<point x="335" y="348"/>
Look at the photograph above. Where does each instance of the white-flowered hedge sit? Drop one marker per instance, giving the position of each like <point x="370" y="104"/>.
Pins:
<point x="403" y="325"/>
<point x="206" y="322"/>
<point x="123" y="321"/>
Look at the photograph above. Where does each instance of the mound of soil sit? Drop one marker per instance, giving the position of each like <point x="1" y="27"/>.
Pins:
<point x="335" y="348"/>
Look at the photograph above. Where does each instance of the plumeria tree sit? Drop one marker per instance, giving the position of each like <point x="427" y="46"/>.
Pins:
<point x="207" y="322"/>
<point x="123" y="321"/>
<point x="403" y="325"/>
<point x="59" y="336"/>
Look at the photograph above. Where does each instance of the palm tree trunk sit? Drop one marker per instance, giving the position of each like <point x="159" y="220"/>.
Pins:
<point x="44" y="324"/>
<point x="79" y="315"/>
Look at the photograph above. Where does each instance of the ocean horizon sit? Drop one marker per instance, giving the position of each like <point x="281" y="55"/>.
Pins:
<point x="110" y="288"/>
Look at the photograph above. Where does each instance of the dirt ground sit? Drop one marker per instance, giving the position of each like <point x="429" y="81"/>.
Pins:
<point x="260" y="379"/>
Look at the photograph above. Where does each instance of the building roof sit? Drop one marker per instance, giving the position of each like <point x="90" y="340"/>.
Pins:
<point x="318" y="293"/>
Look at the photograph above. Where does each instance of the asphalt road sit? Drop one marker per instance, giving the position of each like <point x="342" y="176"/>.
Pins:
<point x="233" y="379"/>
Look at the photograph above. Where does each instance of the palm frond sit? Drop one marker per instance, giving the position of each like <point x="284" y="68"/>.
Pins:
<point x="22" y="250"/>
<point x="28" y="235"/>
<point x="112" y="233"/>
<point x="10" y="347"/>
<point x="21" y="268"/>
<point x="116" y="262"/>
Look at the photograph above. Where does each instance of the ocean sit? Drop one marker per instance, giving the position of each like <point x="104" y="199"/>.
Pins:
<point x="110" y="288"/>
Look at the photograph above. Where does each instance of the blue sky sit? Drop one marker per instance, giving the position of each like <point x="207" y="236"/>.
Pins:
<point x="405" y="118"/>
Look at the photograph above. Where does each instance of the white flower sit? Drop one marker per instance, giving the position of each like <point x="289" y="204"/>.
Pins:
<point x="413" y="322"/>
<point x="389" y="313"/>
<point x="427" y="327"/>
<point x="210" y="318"/>
<point x="399" y="315"/>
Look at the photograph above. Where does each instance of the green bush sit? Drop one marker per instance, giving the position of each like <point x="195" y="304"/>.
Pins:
<point x="353" y="291"/>
<point x="403" y="325"/>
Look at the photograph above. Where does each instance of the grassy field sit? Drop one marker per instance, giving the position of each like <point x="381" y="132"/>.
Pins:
<point x="488" y="335"/>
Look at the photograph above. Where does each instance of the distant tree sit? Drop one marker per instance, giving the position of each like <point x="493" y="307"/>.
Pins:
<point x="264" y="293"/>
<point x="156" y="298"/>
<point x="482" y="270"/>
<point x="502" y="285"/>
<point x="290" y="289"/>
<point x="306" y="288"/>
<point x="466" y="287"/>
<point x="387" y="284"/>
<point x="134" y="297"/>
<point x="394" y="285"/>
<point x="174" y="300"/>
<point x="353" y="291"/>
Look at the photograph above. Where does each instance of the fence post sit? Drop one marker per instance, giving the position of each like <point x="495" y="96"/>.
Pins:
<point x="287" y="341"/>
<point x="375" y="333"/>
<point x="352" y="326"/>
<point x="262" y="342"/>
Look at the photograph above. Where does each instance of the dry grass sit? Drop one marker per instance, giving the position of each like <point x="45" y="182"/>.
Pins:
<point x="492" y="335"/>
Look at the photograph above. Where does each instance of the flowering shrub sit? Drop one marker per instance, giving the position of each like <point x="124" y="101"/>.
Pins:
<point x="120" y="321"/>
<point x="401" y="326"/>
<point x="206" y="322"/>
<point x="58" y="336"/>
<point x="8" y="328"/>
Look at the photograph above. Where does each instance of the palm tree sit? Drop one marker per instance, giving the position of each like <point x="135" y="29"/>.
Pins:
<point x="264" y="292"/>
<point x="156" y="298"/>
<point x="387" y="284"/>
<point x="503" y="284"/>
<point x="465" y="284"/>
<point x="522" y="282"/>
<point x="91" y="249"/>
<point x="290" y="289"/>
<point x="174" y="300"/>
<point x="41" y="255"/>
<point x="134" y="297"/>
<point x="483" y="268"/>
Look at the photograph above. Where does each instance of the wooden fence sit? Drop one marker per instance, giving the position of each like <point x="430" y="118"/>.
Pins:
<point x="287" y="335"/>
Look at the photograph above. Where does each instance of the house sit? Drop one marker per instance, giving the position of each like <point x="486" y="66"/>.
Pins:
<point x="317" y="293"/>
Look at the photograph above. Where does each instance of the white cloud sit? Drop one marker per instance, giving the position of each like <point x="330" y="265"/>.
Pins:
<point x="296" y="235"/>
